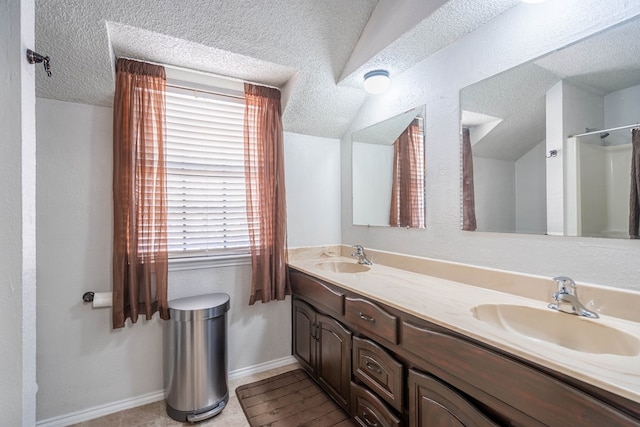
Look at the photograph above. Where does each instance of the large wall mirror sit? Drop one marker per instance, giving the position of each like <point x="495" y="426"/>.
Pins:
<point x="529" y="175"/>
<point x="388" y="172"/>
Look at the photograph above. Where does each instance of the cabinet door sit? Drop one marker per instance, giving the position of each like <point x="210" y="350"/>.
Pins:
<point x="304" y="333"/>
<point x="333" y="366"/>
<point x="432" y="403"/>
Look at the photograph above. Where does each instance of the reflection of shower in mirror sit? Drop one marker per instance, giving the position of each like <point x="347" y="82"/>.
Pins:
<point x="603" y="135"/>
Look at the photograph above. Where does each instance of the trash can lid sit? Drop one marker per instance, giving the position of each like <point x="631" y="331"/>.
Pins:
<point x="199" y="307"/>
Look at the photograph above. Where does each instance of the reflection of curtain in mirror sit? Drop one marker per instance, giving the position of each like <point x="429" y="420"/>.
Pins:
<point x="634" y="201"/>
<point x="407" y="191"/>
<point x="468" y="197"/>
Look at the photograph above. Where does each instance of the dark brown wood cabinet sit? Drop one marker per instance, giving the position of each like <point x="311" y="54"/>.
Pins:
<point x="369" y="411"/>
<point x="433" y="403"/>
<point x="389" y="368"/>
<point x="323" y="347"/>
<point x="373" y="366"/>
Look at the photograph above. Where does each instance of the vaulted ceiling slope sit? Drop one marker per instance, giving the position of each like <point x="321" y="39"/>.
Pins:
<point x="301" y="46"/>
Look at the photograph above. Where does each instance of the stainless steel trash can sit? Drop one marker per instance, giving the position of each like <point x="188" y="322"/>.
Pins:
<point x="196" y="357"/>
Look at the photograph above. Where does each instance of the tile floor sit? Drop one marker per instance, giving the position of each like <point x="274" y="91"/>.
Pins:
<point x="155" y="415"/>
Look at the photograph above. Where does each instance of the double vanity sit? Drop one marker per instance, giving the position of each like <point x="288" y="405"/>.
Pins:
<point x="420" y="342"/>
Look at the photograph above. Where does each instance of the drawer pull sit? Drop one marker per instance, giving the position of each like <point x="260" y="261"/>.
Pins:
<point x="373" y="366"/>
<point x="367" y="420"/>
<point x="367" y="318"/>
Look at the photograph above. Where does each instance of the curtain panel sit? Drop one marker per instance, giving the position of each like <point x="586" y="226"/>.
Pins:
<point x="468" y="196"/>
<point x="407" y="190"/>
<point x="140" y="259"/>
<point x="634" y="201"/>
<point x="265" y="187"/>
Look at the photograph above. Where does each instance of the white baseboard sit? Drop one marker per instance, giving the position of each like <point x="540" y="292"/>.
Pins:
<point x="261" y="367"/>
<point x="156" y="396"/>
<point x="101" y="410"/>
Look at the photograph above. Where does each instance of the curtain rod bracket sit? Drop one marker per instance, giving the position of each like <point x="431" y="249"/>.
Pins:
<point x="34" y="58"/>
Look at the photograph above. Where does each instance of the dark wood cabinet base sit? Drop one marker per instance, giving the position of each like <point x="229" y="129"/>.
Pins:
<point x="406" y="371"/>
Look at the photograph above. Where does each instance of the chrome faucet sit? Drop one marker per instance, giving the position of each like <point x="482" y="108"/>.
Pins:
<point x="566" y="298"/>
<point x="362" y="257"/>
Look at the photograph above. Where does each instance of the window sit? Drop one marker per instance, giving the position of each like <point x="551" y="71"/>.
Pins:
<point x="205" y="175"/>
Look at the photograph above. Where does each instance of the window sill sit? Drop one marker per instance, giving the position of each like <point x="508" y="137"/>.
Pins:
<point x="196" y="263"/>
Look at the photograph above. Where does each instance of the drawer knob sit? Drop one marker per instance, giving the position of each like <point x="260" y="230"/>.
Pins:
<point x="367" y="318"/>
<point x="366" y="418"/>
<point x="373" y="366"/>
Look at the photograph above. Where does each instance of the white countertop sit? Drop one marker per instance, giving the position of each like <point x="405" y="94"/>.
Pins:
<point x="449" y="304"/>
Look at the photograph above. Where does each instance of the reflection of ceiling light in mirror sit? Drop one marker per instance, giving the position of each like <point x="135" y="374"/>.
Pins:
<point x="376" y="81"/>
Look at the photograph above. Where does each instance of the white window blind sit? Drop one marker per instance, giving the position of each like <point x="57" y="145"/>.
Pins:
<point x="205" y="175"/>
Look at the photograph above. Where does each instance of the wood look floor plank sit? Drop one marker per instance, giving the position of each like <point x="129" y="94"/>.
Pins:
<point x="330" y="419"/>
<point x="278" y="393"/>
<point x="268" y="418"/>
<point x="266" y="385"/>
<point x="299" y="397"/>
<point x="291" y="399"/>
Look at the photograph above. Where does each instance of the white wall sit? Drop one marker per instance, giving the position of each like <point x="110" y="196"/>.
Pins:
<point x="531" y="195"/>
<point x="495" y="194"/>
<point x="621" y="108"/>
<point x="17" y="210"/>
<point x="554" y="140"/>
<point x="312" y="167"/>
<point x="618" y="188"/>
<point x="593" y="190"/>
<point x="372" y="182"/>
<point x="82" y="362"/>
<point x="518" y="35"/>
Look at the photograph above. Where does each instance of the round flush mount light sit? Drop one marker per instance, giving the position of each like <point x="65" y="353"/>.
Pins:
<point x="533" y="1"/>
<point x="376" y="81"/>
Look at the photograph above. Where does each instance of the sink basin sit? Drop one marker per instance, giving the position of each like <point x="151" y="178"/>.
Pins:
<point x="342" y="267"/>
<point x="566" y="330"/>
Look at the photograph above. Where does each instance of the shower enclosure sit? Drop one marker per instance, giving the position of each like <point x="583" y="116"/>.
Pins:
<point x="597" y="169"/>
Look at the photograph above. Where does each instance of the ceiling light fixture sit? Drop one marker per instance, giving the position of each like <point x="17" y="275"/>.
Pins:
<point x="533" y="1"/>
<point x="376" y="81"/>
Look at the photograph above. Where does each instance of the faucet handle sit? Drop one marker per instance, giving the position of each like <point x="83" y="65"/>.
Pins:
<point x="359" y="250"/>
<point x="565" y="285"/>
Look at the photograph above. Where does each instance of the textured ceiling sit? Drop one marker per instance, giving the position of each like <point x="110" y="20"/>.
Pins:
<point x="445" y="25"/>
<point x="601" y="64"/>
<point x="301" y="46"/>
<point x="387" y="131"/>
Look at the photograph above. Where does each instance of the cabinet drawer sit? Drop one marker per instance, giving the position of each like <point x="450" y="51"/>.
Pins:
<point x="323" y="297"/>
<point x="469" y="367"/>
<point x="369" y="411"/>
<point x="378" y="370"/>
<point x="371" y="318"/>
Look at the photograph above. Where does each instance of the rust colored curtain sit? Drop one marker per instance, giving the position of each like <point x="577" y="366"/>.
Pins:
<point x="634" y="202"/>
<point x="266" y="204"/>
<point x="468" y="196"/>
<point x="140" y="260"/>
<point x="407" y="190"/>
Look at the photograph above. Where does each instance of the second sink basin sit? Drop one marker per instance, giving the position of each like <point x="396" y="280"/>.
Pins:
<point x="566" y="330"/>
<point x="342" y="267"/>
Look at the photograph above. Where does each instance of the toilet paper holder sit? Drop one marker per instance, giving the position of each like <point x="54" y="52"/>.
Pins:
<point x="98" y="299"/>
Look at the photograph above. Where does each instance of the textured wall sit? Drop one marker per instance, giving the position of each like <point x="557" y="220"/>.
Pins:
<point x="82" y="363"/>
<point x="17" y="210"/>
<point x="520" y="34"/>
